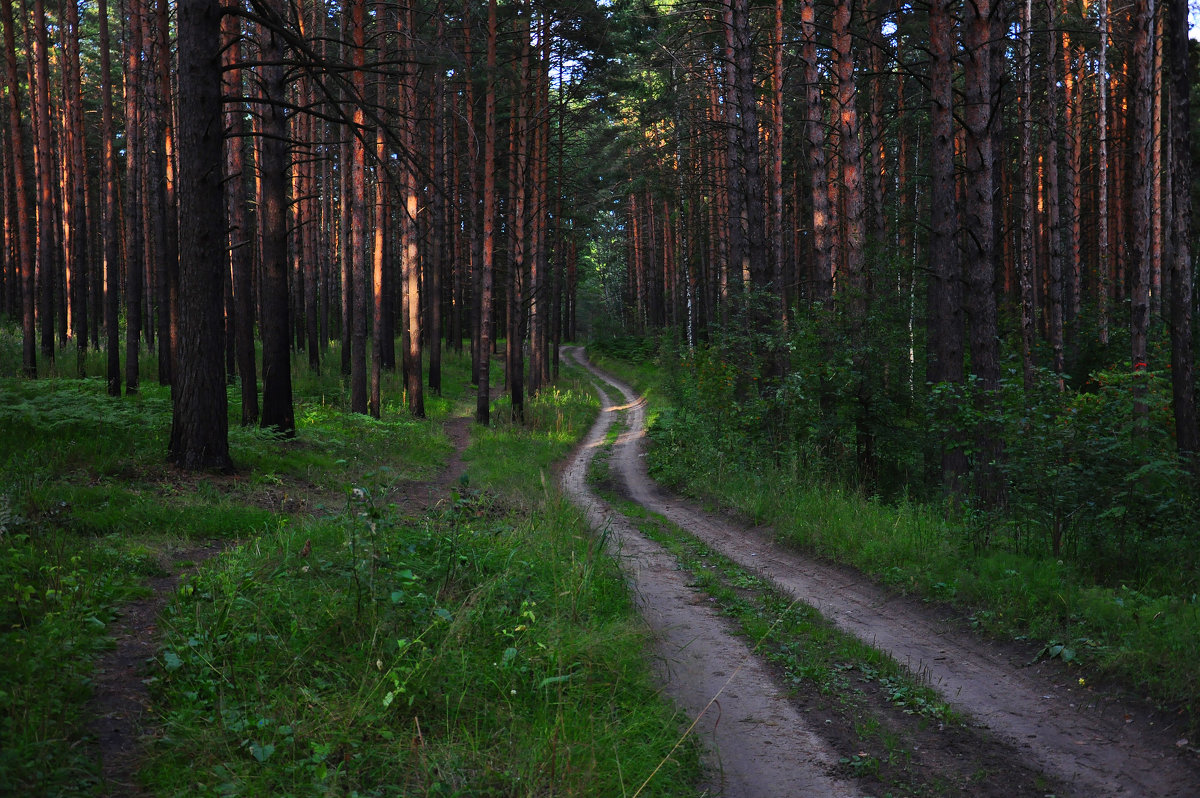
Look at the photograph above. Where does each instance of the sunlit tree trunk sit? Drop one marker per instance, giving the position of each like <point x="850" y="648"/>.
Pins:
<point x="78" y="261"/>
<point x="356" y="241"/>
<point x="46" y="175"/>
<point x="410" y="263"/>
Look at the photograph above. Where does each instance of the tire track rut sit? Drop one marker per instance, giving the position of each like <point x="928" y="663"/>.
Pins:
<point x="1100" y="746"/>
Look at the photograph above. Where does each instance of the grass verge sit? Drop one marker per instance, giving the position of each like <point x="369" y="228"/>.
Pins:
<point x="1139" y="639"/>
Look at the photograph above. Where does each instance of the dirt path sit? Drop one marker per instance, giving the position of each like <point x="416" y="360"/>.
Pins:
<point x="1101" y="746"/>
<point x="120" y="697"/>
<point x="760" y="744"/>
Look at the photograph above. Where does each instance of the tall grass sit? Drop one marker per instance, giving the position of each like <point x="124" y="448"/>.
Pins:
<point x="343" y="642"/>
<point x="1147" y="639"/>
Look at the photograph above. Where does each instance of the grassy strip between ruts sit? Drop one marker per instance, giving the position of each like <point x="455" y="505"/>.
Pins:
<point x="346" y="646"/>
<point x="1148" y="642"/>
<point x="857" y="695"/>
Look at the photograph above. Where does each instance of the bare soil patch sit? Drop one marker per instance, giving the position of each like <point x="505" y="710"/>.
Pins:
<point x="120" y="696"/>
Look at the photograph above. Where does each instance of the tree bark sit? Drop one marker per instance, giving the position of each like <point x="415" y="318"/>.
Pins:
<point x="277" y="412"/>
<point x="483" y="397"/>
<point x="1141" y="100"/>
<point x="980" y="298"/>
<point x="945" y="270"/>
<point x="238" y="236"/>
<point x="134" y="153"/>
<point x="199" y="421"/>
<point x="47" y="210"/>
<point x="822" y="213"/>
<point x="357" y="239"/>
<point x="24" y="238"/>
<point x="1183" y="375"/>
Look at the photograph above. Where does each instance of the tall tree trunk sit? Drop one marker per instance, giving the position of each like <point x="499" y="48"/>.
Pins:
<point x="110" y="225"/>
<point x="77" y="239"/>
<point x="379" y="264"/>
<point x="47" y="211"/>
<point x="241" y="261"/>
<point x="1141" y="101"/>
<point x="1027" y="210"/>
<point x="1183" y="374"/>
<point x="1072" y="191"/>
<point x="945" y="270"/>
<point x="1105" y="266"/>
<point x="25" y="216"/>
<point x="134" y="149"/>
<point x="277" y="413"/>
<point x="856" y="284"/>
<point x="483" y="397"/>
<point x="410" y="262"/>
<point x="755" y="252"/>
<point x="776" y="154"/>
<point x="981" y="269"/>
<point x="822" y="212"/>
<point x="199" y="421"/>
<point x="1054" y="244"/>
<point x="357" y="245"/>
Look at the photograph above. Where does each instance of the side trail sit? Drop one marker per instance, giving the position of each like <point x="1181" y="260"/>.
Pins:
<point x="1101" y="746"/>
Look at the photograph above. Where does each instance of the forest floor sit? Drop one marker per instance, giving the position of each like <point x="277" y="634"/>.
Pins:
<point x="121" y="699"/>
<point x="1020" y="727"/>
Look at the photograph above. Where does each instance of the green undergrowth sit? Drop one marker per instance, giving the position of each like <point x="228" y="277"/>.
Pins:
<point x="1145" y="640"/>
<point x="814" y="657"/>
<point x="311" y="637"/>
<point x="484" y="649"/>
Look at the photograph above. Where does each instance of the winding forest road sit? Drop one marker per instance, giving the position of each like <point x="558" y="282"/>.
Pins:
<point x="1097" y="746"/>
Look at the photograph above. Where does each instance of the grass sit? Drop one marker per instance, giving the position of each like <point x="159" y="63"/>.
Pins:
<point x="1144" y="640"/>
<point x="830" y="670"/>
<point x="343" y="643"/>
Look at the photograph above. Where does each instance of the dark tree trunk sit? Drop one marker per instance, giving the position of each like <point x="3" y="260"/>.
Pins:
<point x="1183" y="374"/>
<point x="25" y="216"/>
<point x="277" y="412"/>
<point x="199" y="422"/>
<point x="980" y="299"/>
<point x="483" y="396"/>
<point x="814" y="127"/>
<point x="945" y="340"/>
<point x="110" y="229"/>
<point x="134" y="147"/>
<point x="1141" y="97"/>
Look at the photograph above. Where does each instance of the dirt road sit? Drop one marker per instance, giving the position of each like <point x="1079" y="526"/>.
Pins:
<point x="1097" y="745"/>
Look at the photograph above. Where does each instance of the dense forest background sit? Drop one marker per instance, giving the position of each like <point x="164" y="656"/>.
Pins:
<point x="936" y="251"/>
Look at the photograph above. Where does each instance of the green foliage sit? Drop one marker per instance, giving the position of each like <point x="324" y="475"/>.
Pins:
<point x="1091" y="479"/>
<point x="346" y="641"/>
<point x="481" y="649"/>
<point x="1097" y="507"/>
